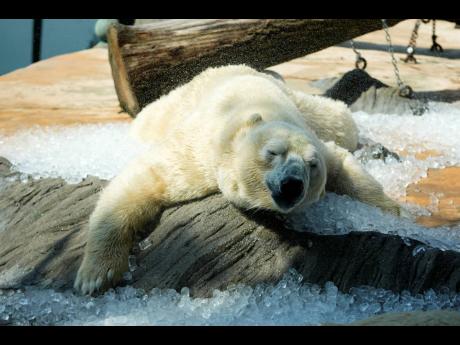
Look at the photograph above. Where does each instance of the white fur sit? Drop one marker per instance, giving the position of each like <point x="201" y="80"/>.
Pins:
<point x="215" y="133"/>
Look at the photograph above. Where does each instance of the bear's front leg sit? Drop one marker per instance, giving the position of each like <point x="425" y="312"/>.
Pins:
<point x="130" y="200"/>
<point x="347" y="176"/>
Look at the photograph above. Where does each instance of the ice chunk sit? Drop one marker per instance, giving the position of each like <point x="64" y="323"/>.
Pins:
<point x="132" y="263"/>
<point x="145" y="244"/>
<point x="418" y="249"/>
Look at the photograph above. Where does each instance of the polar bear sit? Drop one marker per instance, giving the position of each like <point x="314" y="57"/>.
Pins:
<point x="235" y="130"/>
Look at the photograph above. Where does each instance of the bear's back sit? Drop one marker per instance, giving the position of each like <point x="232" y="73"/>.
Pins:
<point x="204" y="104"/>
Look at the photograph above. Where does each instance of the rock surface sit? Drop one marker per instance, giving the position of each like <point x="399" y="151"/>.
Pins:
<point x="362" y="92"/>
<point x="204" y="245"/>
<point x="352" y="85"/>
<point x="418" y="318"/>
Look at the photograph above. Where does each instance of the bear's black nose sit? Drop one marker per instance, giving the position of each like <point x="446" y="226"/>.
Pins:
<point x="290" y="190"/>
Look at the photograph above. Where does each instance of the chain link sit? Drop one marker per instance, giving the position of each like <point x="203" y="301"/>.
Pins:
<point x="361" y="62"/>
<point x="404" y="90"/>
<point x="414" y="36"/>
<point x="352" y="43"/>
<point x="412" y="42"/>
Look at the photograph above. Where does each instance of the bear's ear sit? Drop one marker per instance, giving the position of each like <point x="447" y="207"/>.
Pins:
<point x="237" y="126"/>
<point x="253" y="119"/>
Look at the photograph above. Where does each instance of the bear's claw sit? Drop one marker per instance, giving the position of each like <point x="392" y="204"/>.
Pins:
<point x="93" y="278"/>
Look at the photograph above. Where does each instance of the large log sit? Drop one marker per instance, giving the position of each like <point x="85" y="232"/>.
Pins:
<point x="204" y="245"/>
<point x="152" y="59"/>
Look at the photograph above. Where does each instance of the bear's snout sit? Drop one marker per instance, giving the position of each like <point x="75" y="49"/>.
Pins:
<point x="287" y="185"/>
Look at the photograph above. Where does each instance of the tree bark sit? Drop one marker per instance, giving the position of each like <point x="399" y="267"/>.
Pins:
<point x="203" y="245"/>
<point x="150" y="60"/>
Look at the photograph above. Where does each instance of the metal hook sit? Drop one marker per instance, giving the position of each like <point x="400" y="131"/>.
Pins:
<point x="410" y="58"/>
<point x="361" y="63"/>
<point x="410" y="55"/>
<point x="436" y="47"/>
<point x="406" y="91"/>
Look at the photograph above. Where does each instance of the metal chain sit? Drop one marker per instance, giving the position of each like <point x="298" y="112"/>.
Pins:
<point x="361" y="62"/>
<point x="412" y="42"/>
<point x="436" y="46"/>
<point x="404" y="90"/>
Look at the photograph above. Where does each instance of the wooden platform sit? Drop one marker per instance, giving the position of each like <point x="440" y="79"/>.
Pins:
<point x="63" y="90"/>
<point x="78" y="88"/>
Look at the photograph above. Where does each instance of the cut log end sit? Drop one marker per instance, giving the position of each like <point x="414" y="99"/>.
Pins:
<point x="126" y="96"/>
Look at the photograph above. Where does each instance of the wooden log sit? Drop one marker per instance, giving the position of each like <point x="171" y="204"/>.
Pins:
<point x="203" y="245"/>
<point x="150" y="60"/>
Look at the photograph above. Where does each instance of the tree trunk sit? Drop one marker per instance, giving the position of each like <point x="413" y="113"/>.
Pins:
<point x="204" y="245"/>
<point x="150" y="60"/>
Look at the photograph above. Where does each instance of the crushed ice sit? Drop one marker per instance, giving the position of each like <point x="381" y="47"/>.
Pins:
<point x="435" y="131"/>
<point x="340" y="214"/>
<point x="73" y="152"/>
<point x="290" y="302"/>
<point x="103" y="149"/>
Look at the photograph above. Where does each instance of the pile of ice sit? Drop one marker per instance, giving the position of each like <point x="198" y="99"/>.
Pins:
<point x="103" y="149"/>
<point x="287" y="303"/>
<point x="340" y="214"/>
<point x="437" y="131"/>
<point x="73" y="152"/>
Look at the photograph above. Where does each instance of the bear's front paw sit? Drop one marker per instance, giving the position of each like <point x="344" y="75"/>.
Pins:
<point x="99" y="274"/>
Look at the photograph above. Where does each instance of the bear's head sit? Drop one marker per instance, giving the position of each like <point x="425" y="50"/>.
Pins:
<point x="274" y="166"/>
